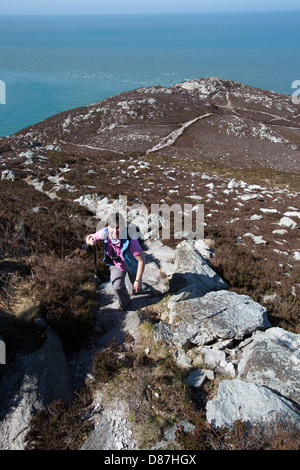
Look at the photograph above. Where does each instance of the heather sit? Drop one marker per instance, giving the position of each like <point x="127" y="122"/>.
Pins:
<point x="248" y="181"/>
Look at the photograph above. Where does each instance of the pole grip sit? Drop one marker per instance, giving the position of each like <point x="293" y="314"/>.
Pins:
<point x="95" y="257"/>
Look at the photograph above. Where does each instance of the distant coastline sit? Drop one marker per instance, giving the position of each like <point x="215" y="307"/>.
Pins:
<point x="51" y="63"/>
<point x="228" y="13"/>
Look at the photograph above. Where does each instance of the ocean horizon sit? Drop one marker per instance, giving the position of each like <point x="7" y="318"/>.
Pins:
<point x="50" y="64"/>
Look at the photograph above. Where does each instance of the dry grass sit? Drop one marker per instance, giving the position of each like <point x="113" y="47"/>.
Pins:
<point x="242" y="436"/>
<point x="151" y="385"/>
<point x="44" y="271"/>
<point x="60" y="427"/>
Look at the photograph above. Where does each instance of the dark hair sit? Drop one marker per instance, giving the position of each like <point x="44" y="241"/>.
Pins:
<point x="115" y="219"/>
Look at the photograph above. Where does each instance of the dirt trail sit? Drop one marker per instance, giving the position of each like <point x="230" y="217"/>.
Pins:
<point x="111" y="323"/>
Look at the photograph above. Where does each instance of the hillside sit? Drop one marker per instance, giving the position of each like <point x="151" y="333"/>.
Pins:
<point x="233" y="148"/>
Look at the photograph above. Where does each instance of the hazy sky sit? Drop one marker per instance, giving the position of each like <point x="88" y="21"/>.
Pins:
<point x="142" y="6"/>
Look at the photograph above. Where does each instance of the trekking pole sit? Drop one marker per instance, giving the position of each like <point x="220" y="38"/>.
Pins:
<point x="95" y="274"/>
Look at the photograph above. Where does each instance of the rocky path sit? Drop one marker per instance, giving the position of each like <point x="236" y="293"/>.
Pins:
<point x="111" y="323"/>
<point x="47" y="374"/>
<point x="112" y="429"/>
<point x="227" y="330"/>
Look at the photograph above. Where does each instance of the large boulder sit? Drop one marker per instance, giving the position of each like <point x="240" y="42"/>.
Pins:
<point x="218" y="314"/>
<point x="272" y="359"/>
<point x="249" y="402"/>
<point x="192" y="271"/>
<point x="45" y="378"/>
<point x="159" y="259"/>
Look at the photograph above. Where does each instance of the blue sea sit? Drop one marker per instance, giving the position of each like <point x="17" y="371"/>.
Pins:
<point x="49" y="64"/>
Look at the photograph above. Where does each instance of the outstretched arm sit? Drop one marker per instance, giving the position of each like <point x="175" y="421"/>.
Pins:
<point x="138" y="279"/>
<point x="93" y="238"/>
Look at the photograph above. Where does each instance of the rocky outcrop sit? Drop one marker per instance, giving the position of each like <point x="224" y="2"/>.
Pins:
<point x="32" y="383"/>
<point x="201" y="311"/>
<point x="192" y="272"/>
<point x="230" y="333"/>
<point x="249" y="402"/>
<point x="213" y="331"/>
<point x="266" y="388"/>
<point x="272" y="360"/>
<point x="217" y="315"/>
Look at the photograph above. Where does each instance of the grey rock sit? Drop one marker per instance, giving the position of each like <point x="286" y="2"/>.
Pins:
<point x="102" y="437"/>
<point x="191" y="291"/>
<point x="204" y="249"/>
<point x="292" y="213"/>
<point x="198" y="377"/>
<point x="233" y="184"/>
<point x="192" y="268"/>
<point x="8" y="175"/>
<point x="182" y="295"/>
<point x="160" y="255"/>
<point x="163" y="332"/>
<point x="131" y="324"/>
<point x="2" y="352"/>
<point x="230" y="370"/>
<point x="296" y="255"/>
<point x="249" y="402"/>
<point x="213" y="357"/>
<point x="182" y="360"/>
<point x="220" y="314"/>
<point x="50" y="366"/>
<point x="248" y="197"/>
<point x="273" y="359"/>
<point x="279" y="232"/>
<point x="288" y="222"/>
<point x="170" y="434"/>
<point x="257" y="239"/>
<point x="112" y="431"/>
<point x="46" y="378"/>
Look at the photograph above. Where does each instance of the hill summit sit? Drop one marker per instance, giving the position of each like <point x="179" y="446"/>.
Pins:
<point x="220" y="119"/>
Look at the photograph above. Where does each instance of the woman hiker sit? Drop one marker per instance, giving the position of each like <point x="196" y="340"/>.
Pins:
<point x="123" y="254"/>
